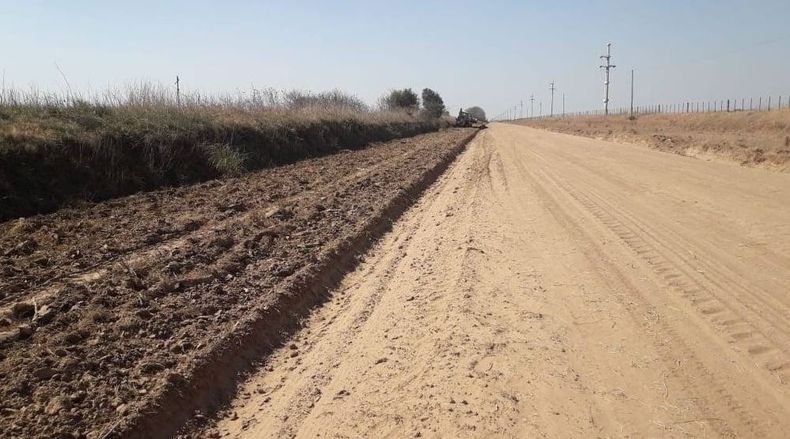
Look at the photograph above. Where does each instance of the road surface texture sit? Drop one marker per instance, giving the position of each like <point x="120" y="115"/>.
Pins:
<point x="551" y="286"/>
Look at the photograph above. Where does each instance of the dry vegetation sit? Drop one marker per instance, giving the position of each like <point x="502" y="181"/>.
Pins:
<point x="749" y="138"/>
<point x="55" y="149"/>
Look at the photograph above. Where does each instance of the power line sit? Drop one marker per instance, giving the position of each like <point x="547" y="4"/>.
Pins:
<point x="632" y="92"/>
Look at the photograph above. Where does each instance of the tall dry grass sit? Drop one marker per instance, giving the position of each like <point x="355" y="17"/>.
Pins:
<point x="59" y="147"/>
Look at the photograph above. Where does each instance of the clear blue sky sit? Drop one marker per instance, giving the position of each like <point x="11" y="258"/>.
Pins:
<point x="487" y="53"/>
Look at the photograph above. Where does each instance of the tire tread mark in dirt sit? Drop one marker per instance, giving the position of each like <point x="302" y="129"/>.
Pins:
<point x="692" y="367"/>
<point x="770" y="304"/>
<point x="759" y="344"/>
<point x="723" y="316"/>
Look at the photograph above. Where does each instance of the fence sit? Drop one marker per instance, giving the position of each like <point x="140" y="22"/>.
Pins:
<point x="724" y="105"/>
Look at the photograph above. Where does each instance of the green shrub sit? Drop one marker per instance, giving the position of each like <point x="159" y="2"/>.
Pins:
<point x="226" y="160"/>
<point x="400" y="100"/>
<point x="432" y="104"/>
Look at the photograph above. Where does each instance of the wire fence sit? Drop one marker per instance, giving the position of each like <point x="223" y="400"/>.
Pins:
<point x="763" y="103"/>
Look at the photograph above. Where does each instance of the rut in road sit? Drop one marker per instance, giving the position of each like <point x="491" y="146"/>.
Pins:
<point x="548" y="286"/>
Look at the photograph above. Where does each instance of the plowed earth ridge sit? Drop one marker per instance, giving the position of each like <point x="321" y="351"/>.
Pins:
<point x="122" y="318"/>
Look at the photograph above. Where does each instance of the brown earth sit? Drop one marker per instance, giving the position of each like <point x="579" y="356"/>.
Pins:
<point x="749" y="138"/>
<point x="122" y="318"/>
<point x="551" y="286"/>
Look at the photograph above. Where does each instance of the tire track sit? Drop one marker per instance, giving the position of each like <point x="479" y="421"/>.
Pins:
<point x="687" y="367"/>
<point x="732" y="317"/>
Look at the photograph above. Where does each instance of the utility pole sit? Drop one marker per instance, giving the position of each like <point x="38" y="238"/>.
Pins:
<point x="532" y="105"/>
<point x="632" y="92"/>
<point x="540" y="106"/>
<point x="563" y="104"/>
<point x="608" y="66"/>
<point x="178" y="91"/>
<point x="551" y="87"/>
<point x="522" y="109"/>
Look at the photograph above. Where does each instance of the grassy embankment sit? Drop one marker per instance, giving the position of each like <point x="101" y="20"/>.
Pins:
<point x="56" y="150"/>
<point x="749" y="138"/>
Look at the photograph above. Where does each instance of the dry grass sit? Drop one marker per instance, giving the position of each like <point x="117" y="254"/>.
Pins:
<point x="749" y="138"/>
<point x="56" y="148"/>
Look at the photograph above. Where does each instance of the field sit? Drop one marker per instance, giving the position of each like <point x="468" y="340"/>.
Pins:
<point x="124" y="317"/>
<point x="750" y="138"/>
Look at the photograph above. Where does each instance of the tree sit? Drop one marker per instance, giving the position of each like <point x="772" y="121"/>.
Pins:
<point x="477" y="113"/>
<point x="432" y="103"/>
<point x="404" y="100"/>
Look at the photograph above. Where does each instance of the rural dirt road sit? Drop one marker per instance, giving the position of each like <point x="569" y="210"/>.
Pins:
<point x="551" y="286"/>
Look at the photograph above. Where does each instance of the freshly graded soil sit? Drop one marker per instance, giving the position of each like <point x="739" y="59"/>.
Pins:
<point x="123" y="318"/>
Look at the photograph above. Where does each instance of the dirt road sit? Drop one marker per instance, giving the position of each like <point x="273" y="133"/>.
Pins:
<point x="552" y="286"/>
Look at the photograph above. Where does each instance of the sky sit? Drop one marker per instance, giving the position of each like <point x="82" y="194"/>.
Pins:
<point x="493" y="54"/>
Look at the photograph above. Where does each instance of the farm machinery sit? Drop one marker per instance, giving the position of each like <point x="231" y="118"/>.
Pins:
<point x="466" y="120"/>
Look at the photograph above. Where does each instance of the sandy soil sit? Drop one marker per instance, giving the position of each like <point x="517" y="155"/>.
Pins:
<point x="122" y="318"/>
<point x="755" y="139"/>
<point x="551" y="286"/>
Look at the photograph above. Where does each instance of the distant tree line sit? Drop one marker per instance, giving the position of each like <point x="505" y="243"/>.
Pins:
<point x="431" y="106"/>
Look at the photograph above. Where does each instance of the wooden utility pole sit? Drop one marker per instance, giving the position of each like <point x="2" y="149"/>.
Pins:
<point x="532" y="105"/>
<point x="632" y="92"/>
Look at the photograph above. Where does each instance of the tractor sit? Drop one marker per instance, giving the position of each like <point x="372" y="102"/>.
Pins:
<point x="466" y="120"/>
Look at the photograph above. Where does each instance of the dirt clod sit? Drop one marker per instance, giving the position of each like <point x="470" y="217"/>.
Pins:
<point x="57" y="404"/>
<point x="23" y="310"/>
